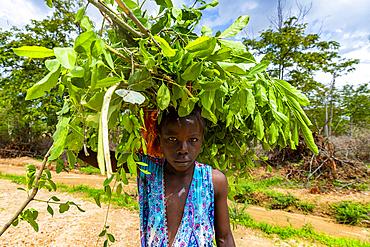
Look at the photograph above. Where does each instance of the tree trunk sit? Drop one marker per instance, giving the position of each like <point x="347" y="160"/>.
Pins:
<point x="326" y="120"/>
<point x="351" y="126"/>
<point x="331" y="106"/>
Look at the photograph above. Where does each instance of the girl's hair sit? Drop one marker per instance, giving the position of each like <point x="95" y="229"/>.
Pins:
<point x="172" y="112"/>
<point x="153" y="128"/>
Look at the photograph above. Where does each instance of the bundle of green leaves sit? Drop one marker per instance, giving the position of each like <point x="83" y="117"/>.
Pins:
<point x="142" y="62"/>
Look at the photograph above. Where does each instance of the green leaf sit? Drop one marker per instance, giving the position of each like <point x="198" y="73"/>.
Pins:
<point x="51" y="64"/>
<point x="108" y="191"/>
<point x="97" y="200"/>
<point x="163" y="97"/>
<point x="80" y="14"/>
<point x="297" y="110"/>
<point x="177" y="13"/>
<point x="71" y="159"/>
<point x="235" y="28"/>
<point x="130" y="4"/>
<point x="307" y="135"/>
<point x="84" y="41"/>
<point x="96" y="101"/>
<point x="77" y="71"/>
<point x="107" y="82"/>
<point x="209" y="115"/>
<point x="236" y="47"/>
<point x="292" y="91"/>
<point x="119" y="189"/>
<point x="220" y="55"/>
<point x="206" y="31"/>
<point x="44" y="85"/>
<point x="85" y="24"/>
<point x="111" y="238"/>
<point x="50" y="210"/>
<point x="131" y="164"/>
<point x="262" y="66"/>
<point x="192" y="72"/>
<point x="233" y="68"/>
<point x="54" y="198"/>
<point x="49" y="3"/>
<point x="200" y="44"/>
<point x="15" y="222"/>
<point x="66" y="57"/>
<point x="273" y="133"/>
<point x="58" y="146"/>
<point x="251" y="104"/>
<point x="211" y="85"/>
<point x="52" y="184"/>
<point x="131" y="96"/>
<point x="166" y="48"/>
<point x="59" y="166"/>
<point x="259" y="127"/>
<point x="107" y="55"/>
<point x="63" y="208"/>
<point x="107" y="181"/>
<point x="33" y="52"/>
<point x="207" y="98"/>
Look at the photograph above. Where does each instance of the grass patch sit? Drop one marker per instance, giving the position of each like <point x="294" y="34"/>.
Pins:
<point x="14" y="178"/>
<point x="307" y="232"/>
<point x="85" y="191"/>
<point x="352" y="213"/>
<point x="90" y="169"/>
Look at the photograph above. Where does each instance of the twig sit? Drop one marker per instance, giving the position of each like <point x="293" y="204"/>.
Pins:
<point x="308" y="178"/>
<point x="84" y="126"/>
<point x="115" y="18"/>
<point x="132" y="64"/>
<point x="347" y="184"/>
<point x="30" y="197"/>
<point x="311" y="162"/>
<point x="142" y="4"/>
<point x="102" y="25"/>
<point x="117" y="53"/>
<point x="142" y="29"/>
<point x="171" y="29"/>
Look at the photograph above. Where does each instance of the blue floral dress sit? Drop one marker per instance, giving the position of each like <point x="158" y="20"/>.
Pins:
<point x="196" y="228"/>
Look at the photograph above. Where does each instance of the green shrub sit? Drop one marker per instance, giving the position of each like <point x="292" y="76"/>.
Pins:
<point x="351" y="213"/>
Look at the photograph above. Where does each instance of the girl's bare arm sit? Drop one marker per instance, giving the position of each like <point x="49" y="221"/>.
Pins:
<point x="223" y="233"/>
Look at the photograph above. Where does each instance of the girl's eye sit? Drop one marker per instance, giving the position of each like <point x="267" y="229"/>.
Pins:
<point x="193" y="139"/>
<point x="171" y="138"/>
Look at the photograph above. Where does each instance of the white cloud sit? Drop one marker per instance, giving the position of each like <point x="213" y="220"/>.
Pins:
<point x="19" y="12"/>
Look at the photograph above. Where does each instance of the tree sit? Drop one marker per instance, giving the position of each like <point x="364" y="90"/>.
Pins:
<point x="355" y="104"/>
<point x="26" y="118"/>
<point x="296" y="56"/>
<point x="336" y="66"/>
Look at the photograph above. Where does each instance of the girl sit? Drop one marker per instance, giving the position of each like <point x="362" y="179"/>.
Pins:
<point x="182" y="202"/>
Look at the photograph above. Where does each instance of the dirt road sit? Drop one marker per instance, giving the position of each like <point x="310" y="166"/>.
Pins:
<point x="75" y="228"/>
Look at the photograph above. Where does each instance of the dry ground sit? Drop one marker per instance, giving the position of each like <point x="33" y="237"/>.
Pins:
<point x="75" y="228"/>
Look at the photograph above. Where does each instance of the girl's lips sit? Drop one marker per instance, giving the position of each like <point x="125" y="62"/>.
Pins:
<point x="182" y="162"/>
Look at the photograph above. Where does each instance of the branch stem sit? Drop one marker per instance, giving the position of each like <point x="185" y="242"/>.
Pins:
<point x="30" y="197"/>
<point x="115" y="18"/>
<point x="142" y="29"/>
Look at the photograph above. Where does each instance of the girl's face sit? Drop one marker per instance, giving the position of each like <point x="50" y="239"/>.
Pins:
<point x="181" y="139"/>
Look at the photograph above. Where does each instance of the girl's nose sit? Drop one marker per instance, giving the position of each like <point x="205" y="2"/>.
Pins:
<point x="183" y="149"/>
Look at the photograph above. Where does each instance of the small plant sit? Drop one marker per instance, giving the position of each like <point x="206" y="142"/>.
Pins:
<point x="306" y="206"/>
<point x="351" y="213"/>
<point x="90" y="169"/>
<point x="281" y="201"/>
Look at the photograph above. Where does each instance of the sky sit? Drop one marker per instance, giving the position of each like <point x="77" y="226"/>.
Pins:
<point x="344" y="21"/>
